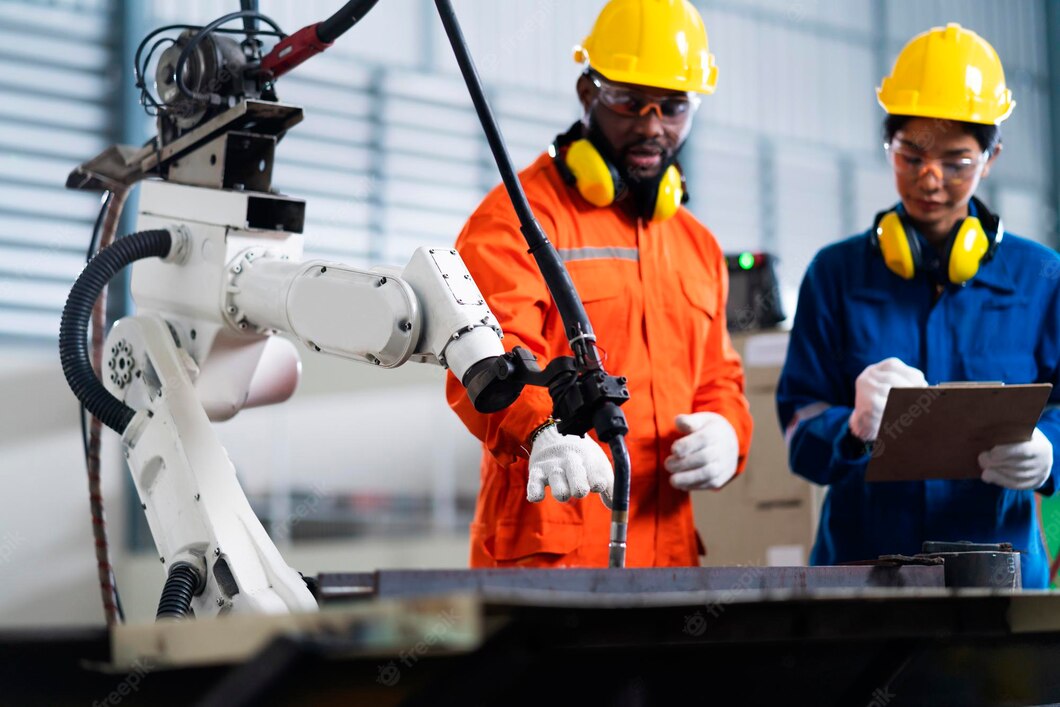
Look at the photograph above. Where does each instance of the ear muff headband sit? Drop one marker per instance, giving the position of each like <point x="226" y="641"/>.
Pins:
<point x="598" y="181"/>
<point x="975" y="241"/>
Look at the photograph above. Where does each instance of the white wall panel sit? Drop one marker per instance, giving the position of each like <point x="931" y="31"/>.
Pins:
<point x="1026" y="214"/>
<point x="808" y="213"/>
<point x="1013" y="27"/>
<point x="854" y="17"/>
<point x="725" y="188"/>
<point x="874" y="191"/>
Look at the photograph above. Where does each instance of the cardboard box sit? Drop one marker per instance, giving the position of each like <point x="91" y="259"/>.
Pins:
<point x="768" y="515"/>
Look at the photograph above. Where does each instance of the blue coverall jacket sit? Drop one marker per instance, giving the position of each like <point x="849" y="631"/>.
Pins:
<point x="1004" y="325"/>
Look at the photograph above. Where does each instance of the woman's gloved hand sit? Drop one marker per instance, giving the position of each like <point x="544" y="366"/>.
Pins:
<point x="1023" y="465"/>
<point x="870" y="394"/>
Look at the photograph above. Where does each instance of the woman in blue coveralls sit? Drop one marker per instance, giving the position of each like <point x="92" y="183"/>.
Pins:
<point x="931" y="293"/>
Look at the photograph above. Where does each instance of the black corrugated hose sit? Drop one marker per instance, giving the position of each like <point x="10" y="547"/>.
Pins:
<point x="180" y="586"/>
<point x="73" y="331"/>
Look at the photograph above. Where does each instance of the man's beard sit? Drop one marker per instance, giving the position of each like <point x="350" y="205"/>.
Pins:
<point x="642" y="188"/>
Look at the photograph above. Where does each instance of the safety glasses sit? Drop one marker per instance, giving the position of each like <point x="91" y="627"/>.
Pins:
<point x="634" y="104"/>
<point x="952" y="171"/>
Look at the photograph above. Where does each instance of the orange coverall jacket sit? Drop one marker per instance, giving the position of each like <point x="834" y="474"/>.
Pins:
<point x="655" y="295"/>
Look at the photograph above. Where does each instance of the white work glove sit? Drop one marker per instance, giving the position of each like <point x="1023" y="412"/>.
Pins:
<point x="870" y="394"/>
<point x="706" y="456"/>
<point x="571" y="465"/>
<point x="1023" y="465"/>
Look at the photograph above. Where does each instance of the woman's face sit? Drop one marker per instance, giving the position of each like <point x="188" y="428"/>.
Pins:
<point x="937" y="167"/>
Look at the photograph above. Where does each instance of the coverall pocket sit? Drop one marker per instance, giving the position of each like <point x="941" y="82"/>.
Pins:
<point x="699" y="295"/>
<point x="1009" y="367"/>
<point x="876" y="328"/>
<point x="1001" y="328"/>
<point x="537" y="546"/>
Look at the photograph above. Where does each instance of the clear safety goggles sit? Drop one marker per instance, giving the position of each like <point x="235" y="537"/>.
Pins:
<point x="952" y="171"/>
<point x="632" y="103"/>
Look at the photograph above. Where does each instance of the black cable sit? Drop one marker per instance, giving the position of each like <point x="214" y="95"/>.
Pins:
<point x="73" y="329"/>
<point x="560" y="286"/>
<point x="347" y="16"/>
<point x="607" y="419"/>
<point x="92" y="245"/>
<point x="250" y="24"/>
<point x="168" y="28"/>
<point x="117" y="601"/>
<point x="145" y="93"/>
<point x="178" y="71"/>
<point x="84" y="431"/>
<point x="140" y="66"/>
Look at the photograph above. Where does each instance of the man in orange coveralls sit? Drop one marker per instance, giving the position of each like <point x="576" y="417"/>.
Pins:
<point x="654" y="281"/>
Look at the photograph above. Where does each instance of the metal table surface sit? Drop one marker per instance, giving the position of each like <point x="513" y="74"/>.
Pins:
<point x="821" y="636"/>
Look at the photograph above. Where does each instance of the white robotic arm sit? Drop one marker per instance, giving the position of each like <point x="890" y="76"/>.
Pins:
<point x="202" y="347"/>
<point x="431" y="312"/>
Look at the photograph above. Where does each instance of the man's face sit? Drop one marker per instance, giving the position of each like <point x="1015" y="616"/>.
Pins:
<point x="644" y="126"/>
<point x="937" y="167"/>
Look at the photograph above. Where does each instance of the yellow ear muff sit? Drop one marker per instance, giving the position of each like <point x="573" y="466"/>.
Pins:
<point x="894" y="245"/>
<point x="670" y="195"/>
<point x="591" y="174"/>
<point x="969" y="246"/>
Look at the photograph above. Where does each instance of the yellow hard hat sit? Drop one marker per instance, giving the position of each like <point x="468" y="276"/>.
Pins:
<point x="949" y="72"/>
<point x="658" y="43"/>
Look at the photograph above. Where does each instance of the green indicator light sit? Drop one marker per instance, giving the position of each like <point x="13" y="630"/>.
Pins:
<point x="746" y="261"/>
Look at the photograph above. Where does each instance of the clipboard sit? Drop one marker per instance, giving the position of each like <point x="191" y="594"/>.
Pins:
<point x="938" y="432"/>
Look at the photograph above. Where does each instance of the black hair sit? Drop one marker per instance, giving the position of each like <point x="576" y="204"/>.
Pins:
<point x="988" y="136"/>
